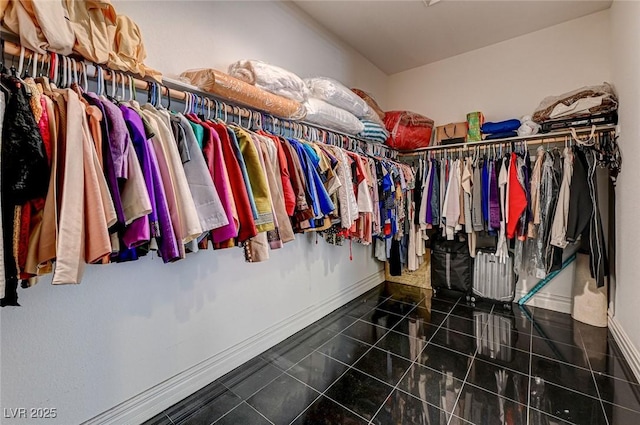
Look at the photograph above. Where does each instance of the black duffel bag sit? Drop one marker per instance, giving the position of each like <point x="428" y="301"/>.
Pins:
<point x="451" y="266"/>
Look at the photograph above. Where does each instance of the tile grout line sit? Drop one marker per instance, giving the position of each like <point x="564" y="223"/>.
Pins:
<point x="349" y="367"/>
<point x="413" y="362"/>
<point x="464" y="382"/>
<point x="290" y="367"/>
<point x="593" y="376"/>
<point x="315" y="350"/>
<point x="260" y="413"/>
<point x="322" y="393"/>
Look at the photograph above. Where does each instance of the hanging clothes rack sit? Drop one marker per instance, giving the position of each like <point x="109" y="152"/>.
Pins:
<point x="183" y="92"/>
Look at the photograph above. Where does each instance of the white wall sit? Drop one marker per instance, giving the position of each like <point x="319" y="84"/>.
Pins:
<point x="510" y="78"/>
<point x="181" y="35"/>
<point x="129" y="327"/>
<point x="625" y="26"/>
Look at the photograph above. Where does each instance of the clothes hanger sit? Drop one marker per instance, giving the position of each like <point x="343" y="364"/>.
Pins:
<point x="25" y="73"/>
<point x="186" y="103"/>
<point x="132" y="91"/>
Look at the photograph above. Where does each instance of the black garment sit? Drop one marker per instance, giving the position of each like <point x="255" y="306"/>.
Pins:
<point x="417" y="196"/>
<point x="584" y="216"/>
<point x="395" y="264"/>
<point x="580" y="205"/>
<point x="25" y="173"/>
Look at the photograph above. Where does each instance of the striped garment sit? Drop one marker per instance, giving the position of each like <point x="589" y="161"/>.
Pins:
<point x="373" y="132"/>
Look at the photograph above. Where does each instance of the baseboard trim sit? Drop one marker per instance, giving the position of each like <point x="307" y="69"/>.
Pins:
<point x="630" y="352"/>
<point x="154" y="400"/>
<point x="556" y="302"/>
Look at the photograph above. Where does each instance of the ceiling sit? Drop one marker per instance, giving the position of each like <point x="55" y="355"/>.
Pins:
<point x="398" y="35"/>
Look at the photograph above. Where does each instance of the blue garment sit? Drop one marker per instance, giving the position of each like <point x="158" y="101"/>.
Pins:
<point x="243" y="167"/>
<point x="504" y="135"/>
<point x="320" y="199"/>
<point x="500" y="127"/>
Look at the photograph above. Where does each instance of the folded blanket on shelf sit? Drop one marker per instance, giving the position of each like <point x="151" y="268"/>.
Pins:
<point x="374" y="132"/>
<point x="601" y="98"/>
<point x="500" y="126"/>
<point x="321" y="113"/>
<point x="503" y="135"/>
<point x="334" y="93"/>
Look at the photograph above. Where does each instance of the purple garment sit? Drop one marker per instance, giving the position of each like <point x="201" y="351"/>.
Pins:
<point x="119" y="139"/>
<point x="494" y="198"/>
<point x="429" y="217"/>
<point x="159" y="218"/>
<point x="109" y="170"/>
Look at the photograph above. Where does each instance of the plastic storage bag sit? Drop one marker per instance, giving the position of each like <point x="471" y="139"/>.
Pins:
<point x="227" y="87"/>
<point x="271" y="78"/>
<point x="334" y="93"/>
<point x="408" y="130"/>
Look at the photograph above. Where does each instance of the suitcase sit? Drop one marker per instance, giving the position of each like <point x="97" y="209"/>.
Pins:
<point x="451" y="267"/>
<point x="498" y="340"/>
<point x="493" y="279"/>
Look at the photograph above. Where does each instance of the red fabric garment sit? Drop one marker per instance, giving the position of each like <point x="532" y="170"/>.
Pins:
<point x="245" y="214"/>
<point x="517" y="198"/>
<point x="216" y="163"/>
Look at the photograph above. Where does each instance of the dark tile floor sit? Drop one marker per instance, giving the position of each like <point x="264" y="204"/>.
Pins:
<point x="397" y="356"/>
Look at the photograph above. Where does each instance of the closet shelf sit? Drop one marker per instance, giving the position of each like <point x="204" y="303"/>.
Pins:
<point x="536" y="139"/>
<point x="179" y="90"/>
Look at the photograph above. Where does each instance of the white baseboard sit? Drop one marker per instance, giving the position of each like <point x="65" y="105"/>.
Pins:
<point x="556" y="302"/>
<point x="154" y="400"/>
<point x="630" y="352"/>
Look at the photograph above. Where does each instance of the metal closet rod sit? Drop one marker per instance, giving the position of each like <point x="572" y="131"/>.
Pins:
<point x="536" y="139"/>
<point x="179" y="91"/>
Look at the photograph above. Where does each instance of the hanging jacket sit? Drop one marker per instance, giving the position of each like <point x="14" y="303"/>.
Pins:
<point x="435" y="194"/>
<point x="161" y="227"/>
<point x="517" y="198"/>
<point x="560" y="219"/>
<point x="212" y="151"/>
<point x="205" y="196"/>
<point x="258" y="181"/>
<point x="240" y="191"/>
<point x="584" y="215"/>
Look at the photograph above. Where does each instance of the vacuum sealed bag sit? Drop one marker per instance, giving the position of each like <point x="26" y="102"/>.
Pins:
<point x="227" y="87"/>
<point x="334" y="93"/>
<point x="271" y="78"/>
<point x="321" y="113"/>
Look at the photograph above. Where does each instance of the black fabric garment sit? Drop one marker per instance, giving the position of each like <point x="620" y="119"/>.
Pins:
<point x="25" y="174"/>
<point x="584" y="216"/>
<point x="395" y="265"/>
<point x="417" y="197"/>
<point x="580" y="206"/>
